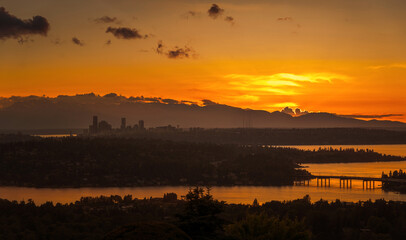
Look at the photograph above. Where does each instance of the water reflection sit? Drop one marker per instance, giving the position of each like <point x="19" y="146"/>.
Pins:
<point x="244" y="194"/>
<point x="372" y="169"/>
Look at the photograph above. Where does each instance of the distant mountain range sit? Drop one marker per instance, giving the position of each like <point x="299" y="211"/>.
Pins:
<point x="35" y="112"/>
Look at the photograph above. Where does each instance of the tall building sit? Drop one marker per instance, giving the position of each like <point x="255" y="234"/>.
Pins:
<point x="95" y="121"/>
<point x="123" y="123"/>
<point x="104" y="126"/>
<point x="141" y="124"/>
<point x="93" y="129"/>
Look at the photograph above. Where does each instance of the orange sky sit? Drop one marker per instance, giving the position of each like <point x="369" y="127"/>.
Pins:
<point x="338" y="56"/>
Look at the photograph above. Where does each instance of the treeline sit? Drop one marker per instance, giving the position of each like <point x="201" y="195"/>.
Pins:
<point x="199" y="216"/>
<point x="10" y="137"/>
<point x="345" y="155"/>
<point x="274" y="136"/>
<point x="395" y="186"/>
<point x="102" y="162"/>
<point x="78" y="162"/>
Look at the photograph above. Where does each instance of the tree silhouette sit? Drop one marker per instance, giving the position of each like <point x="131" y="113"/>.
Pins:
<point x="200" y="218"/>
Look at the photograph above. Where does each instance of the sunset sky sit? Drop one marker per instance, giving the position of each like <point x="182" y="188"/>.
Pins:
<point x="340" y="56"/>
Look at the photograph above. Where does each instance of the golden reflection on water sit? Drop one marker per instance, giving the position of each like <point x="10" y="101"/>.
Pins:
<point x="243" y="194"/>
<point x="372" y="169"/>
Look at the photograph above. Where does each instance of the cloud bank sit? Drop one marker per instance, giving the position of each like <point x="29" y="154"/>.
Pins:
<point x="294" y="112"/>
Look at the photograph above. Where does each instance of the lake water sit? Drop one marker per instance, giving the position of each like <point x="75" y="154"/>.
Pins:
<point x="247" y="194"/>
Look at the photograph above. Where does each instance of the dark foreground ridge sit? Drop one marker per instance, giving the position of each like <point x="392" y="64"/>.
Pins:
<point x="120" y="162"/>
<point x="201" y="217"/>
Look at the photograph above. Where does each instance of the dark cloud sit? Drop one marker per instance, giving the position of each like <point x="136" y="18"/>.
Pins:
<point x="125" y="33"/>
<point x="106" y="19"/>
<point x="372" y="116"/>
<point x="152" y="100"/>
<point x="23" y="40"/>
<point x="111" y="95"/>
<point x="207" y="102"/>
<point x="56" y="41"/>
<point x="179" y="53"/>
<point x="215" y="11"/>
<point x="294" y="112"/>
<point x="188" y="102"/>
<point x="288" y="110"/>
<point x="176" y="53"/>
<point x="78" y="42"/>
<point x="170" y="101"/>
<point x="299" y="112"/>
<point x="13" y="27"/>
<point x="108" y="42"/>
<point x="190" y="14"/>
<point x="285" y="19"/>
<point x="229" y="19"/>
<point x="160" y="48"/>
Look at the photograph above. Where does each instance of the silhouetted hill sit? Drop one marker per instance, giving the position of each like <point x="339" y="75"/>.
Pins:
<point x="328" y="120"/>
<point x="71" y="112"/>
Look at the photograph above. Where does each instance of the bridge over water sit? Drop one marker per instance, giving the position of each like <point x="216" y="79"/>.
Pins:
<point x="346" y="181"/>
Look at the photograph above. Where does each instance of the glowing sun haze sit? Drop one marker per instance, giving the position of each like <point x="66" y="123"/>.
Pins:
<point x="340" y="56"/>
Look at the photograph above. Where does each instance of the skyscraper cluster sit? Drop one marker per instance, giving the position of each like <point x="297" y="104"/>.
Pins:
<point x="104" y="126"/>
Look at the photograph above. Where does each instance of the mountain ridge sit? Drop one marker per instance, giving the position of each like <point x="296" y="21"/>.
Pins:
<point x="34" y="112"/>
